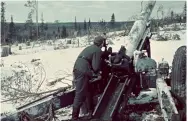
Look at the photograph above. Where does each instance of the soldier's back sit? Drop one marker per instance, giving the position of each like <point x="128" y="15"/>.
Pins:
<point x="82" y="64"/>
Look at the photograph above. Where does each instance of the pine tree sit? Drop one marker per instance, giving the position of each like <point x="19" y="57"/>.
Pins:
<point x="112" y="20"/>
<point x="85" y="25"/>
<point x="102" y="24"/>
<point x="79" y="30"/>
<point x="56" y="21"/>
<point x="46" y="30"/>
<point x="89" y="27"/>
<point x="185" y="12"/>
<point x="3" y="22"/>
<point x="46" y="27"/>
<point x="12" y="29"/>
<point x="64" y="32"/>
<point x="54" y="34"/>
<point x="172" y="16"/>
<point x="29" y="24"/>
<point x="75" y="25"/>
<point x="32" y="31"/>
<point x="89" y="24"/>
<point x="180" y="20"/>
<point x="42" y="25"/>
<point x="58" y="32"/>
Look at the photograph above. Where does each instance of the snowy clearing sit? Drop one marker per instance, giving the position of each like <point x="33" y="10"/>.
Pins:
<point x="59" y="63"/>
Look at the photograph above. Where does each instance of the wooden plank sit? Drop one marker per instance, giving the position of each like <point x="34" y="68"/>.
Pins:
<point x="166" y="101"/>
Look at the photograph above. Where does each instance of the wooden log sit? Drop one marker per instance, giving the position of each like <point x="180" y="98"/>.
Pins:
<point x="10" y="52"/>
<point x="20" y="47"/>
<point x="166" y="101"/>
<point x="5" y="51"/>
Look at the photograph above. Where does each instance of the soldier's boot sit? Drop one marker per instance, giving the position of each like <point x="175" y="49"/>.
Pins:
<point x="90" y="114"/>
<point x="75" y="114"/>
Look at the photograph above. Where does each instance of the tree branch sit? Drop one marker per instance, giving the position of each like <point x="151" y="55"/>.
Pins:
<point x="36" y="94"/>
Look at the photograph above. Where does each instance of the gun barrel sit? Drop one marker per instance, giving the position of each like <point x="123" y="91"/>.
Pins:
<point x="139" y="28"/>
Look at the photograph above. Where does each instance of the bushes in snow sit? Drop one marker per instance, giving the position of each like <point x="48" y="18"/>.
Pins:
<point x="110" y="42"/>
<point x="49" y="42"/>
<point x="60" y="46"/>
<point x="68" y="41"/>
<point x="166" y="36"/>
<point x="175" y="27"/>
<point x="2" y="63"/>
<point x="176" y="37"/>
<point x="28" y="43"/>
<point x="161" y="38"/>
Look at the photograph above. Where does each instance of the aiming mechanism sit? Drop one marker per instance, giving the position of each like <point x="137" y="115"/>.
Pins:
<point x="112" y="99"/>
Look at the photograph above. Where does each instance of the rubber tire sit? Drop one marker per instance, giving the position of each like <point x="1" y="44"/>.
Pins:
<point x="178" y="76"/>
<point x="179" y="73"/>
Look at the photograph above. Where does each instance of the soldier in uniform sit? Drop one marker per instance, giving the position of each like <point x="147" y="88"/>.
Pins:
<point x="121" y="61"/>
<point x="87" y="64"/>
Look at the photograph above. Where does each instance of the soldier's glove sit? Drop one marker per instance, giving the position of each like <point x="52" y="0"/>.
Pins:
<point x="96" y="77"/>
<point x="109" y="64"/>
<point x="99" y="77"/>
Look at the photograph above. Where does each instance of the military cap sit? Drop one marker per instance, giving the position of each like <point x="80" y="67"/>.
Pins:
<point x="99" y="40"/>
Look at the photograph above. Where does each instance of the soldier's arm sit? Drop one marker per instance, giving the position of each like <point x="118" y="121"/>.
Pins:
<point x="127" y="57"/>
<point x="113" y="54"/>
<point x="96" y="61"/>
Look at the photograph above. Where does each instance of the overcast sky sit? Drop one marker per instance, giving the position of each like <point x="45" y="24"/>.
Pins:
<point x="65" y="11"/>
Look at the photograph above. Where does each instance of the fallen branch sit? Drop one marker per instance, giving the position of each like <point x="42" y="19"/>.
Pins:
<point x="40" y="84"/>
<point x="66" y="83"/>
<point x="59" y="80"/>
<point x="21" y="91"/>
<point x="37" y="94"/>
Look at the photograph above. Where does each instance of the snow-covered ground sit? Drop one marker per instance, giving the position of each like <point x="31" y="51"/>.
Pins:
<point x="166" y="49"/>
<point x="58" y="63"/>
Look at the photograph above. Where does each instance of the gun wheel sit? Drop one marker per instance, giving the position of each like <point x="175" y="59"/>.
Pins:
<point x="178" y="81"/>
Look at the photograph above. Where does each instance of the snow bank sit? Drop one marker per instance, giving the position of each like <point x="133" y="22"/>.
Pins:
<point x="64" y="113"/>
<point x="165" y="49"/>
<point x="150" y="117"/>
<point x="144" y="97"/>
<point x="7" y="108"/>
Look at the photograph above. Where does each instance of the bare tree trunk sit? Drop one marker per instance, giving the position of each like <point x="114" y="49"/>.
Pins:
<point x="78" y="42"/>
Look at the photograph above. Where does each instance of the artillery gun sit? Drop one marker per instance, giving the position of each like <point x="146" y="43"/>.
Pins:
<point x="112" y="99"/>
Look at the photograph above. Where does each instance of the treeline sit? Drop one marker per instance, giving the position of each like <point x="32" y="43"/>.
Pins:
<point x="170" y="18"/>
<point x="21" y="32"/>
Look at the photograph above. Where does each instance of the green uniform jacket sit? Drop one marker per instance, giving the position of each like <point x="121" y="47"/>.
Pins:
<point x="93" y="54"/>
